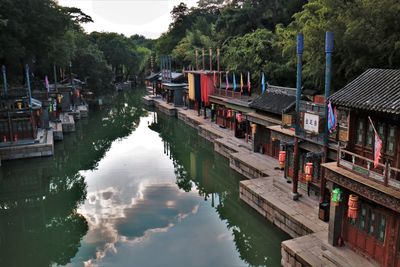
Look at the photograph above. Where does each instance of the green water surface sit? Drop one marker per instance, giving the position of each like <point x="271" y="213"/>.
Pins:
<point x="130" y="187"/>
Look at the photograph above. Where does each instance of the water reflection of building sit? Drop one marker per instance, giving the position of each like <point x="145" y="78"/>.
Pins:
<point x="197" y="166"/>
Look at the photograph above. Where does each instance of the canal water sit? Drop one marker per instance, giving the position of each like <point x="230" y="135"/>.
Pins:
<point x="130" y="187"/>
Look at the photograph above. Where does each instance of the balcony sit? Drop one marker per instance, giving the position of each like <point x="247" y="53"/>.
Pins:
<point x="383" y="174"/>
<point x="230" y="94"/>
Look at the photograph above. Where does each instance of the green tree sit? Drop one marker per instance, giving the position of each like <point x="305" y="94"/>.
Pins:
<point x="255" y="52"/>
<point x="366" y="36"/>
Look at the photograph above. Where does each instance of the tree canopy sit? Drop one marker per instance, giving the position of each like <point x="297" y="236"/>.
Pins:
<point x="41" y="33"/>
<point x="253" y="35"/>
<point x="260" y="35"/>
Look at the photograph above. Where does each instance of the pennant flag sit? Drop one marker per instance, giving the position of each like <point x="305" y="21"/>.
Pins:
<point x="248" y="81"/>
<point x="46" y="83"/>
<point x="215" y="79"/>
<point x="332" y="118"/>
<point x="183" y="72"/>
<point x="377" y="145"/>
<point x="220" y="80"/>
<point x="227" y="81"/>
<point x="234" y="82"/>
<point x="262" y="83"/>
<point x="241" y="83"/>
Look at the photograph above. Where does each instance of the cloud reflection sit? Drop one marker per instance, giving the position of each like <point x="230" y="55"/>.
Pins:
<point x="156" y="208"/>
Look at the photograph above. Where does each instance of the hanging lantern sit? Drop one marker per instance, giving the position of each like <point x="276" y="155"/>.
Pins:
<point x="336" y="196"/>
<point x="19" y="105"/>
<point x="253" y="128"/>
<point x="282" y="157"/>
<point x="59" y="98"/>
<point x="353" y="207"/>
<point x="308" y="170"/>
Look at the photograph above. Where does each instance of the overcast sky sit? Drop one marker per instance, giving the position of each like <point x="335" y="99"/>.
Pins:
<point x="146" y="17"/>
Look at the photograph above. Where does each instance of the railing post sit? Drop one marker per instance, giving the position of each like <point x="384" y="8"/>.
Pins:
<point x="338" y="156"/>
<point x="386" y="174"/>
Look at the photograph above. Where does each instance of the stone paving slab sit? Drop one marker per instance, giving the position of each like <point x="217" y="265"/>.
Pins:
<point x="312" y="250"/>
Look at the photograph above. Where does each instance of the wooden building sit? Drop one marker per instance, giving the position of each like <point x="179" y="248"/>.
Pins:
<point x="273" y="107"/>
<point x="365" y="207"/>
<point x="19" y="117"/>
<point x="151" y="83"/>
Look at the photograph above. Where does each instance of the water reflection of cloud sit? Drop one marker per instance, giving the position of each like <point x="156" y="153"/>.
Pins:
<point x="155" y="208"/>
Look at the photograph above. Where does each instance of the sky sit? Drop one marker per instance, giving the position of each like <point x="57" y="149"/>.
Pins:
<point x="145" y="17"/>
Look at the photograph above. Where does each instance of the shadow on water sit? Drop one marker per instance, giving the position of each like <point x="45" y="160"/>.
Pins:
<point x="39" y="225"/>
<point x="198" y="167"/>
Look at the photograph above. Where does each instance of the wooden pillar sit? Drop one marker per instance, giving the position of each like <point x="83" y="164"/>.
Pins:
<point x="296" y="156"/>
<point x="323" y="179"/>
<point x="335" y="223"/>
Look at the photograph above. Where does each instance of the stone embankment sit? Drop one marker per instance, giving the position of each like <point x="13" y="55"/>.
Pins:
<point x="268" y="192"/>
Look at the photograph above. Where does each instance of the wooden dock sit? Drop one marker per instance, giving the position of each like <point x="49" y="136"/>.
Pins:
<point x="42" y="146"/>
<point x="56" y="127"/>
<point x="68" y="122"/>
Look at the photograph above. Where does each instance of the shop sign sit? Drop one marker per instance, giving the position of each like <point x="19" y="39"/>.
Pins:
<point x="311" y="122"/>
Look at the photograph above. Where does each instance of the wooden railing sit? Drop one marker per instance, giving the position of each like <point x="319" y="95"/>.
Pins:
<point x="229" y="93"/>
<point x="383" y="173"/>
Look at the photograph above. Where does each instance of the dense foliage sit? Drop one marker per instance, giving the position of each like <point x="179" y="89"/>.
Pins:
<point x="43" y="34"/>
<point x="253" y="35"/>
<point x="260" y="36"/>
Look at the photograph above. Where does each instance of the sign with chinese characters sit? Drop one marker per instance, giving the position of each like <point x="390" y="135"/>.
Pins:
<point x="311" y="122"/>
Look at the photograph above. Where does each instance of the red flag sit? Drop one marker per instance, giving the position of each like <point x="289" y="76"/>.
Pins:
<point x="377" y="145"/>
<point x="377" y="150"/>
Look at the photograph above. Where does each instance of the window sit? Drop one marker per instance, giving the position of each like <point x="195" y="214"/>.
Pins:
<point x="391" y="140"/>
<point x="363" y="216"/>
<point x="371" y="222"/>
<point x="370" y="136"/>
<point x="381" y="228"/>
<point x="359" y="132"/>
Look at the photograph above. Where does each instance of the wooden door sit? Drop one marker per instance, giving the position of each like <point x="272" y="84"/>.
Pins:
<point x="369" y="232"/>
<point x="275" y="149"/>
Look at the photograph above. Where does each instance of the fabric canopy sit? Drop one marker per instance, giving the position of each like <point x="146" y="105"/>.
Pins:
<point x="191" y="86"/>
<point x="197" y="88"/>
<point x="207" y="87"/>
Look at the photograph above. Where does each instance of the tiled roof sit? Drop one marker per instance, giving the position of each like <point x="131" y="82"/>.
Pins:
<point x="375" y="89"/>
<point x="275" y="100"/>
<point x="174" y="75"/>
<point x="153" y="76"/>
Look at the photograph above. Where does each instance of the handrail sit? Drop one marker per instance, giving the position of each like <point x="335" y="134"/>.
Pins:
<point x="226" y="93"/>
<point x="383" y="176"/>
<point x="360" y="157"/>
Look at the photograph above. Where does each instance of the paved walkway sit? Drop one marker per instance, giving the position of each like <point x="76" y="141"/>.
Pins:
<point x="309" y="250"/>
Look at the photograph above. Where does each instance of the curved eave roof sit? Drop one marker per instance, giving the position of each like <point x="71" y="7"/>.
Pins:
<point x="375" y="90"/>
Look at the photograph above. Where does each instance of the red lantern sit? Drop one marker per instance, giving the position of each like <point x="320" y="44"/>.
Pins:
<point x="308" y="170"/>
<point x="353" y="207"/>
<point x="282" y="157"/>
